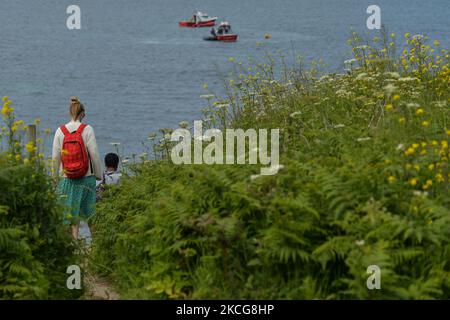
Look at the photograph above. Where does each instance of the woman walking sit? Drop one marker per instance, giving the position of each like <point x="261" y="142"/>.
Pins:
<point x="76" y="159"/>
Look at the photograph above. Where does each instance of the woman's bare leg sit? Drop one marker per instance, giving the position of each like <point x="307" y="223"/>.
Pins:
<point x="75" y="229"/>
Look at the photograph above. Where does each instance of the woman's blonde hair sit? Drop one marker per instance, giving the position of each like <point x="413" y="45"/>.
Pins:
<point x="76" y="108"/>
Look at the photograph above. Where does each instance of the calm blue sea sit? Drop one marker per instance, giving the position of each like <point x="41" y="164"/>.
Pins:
<point x="137" y="71"/>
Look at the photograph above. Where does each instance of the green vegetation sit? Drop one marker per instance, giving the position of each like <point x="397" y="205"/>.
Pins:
<point x="35" y="248"/>
<point x="365" y="181"/>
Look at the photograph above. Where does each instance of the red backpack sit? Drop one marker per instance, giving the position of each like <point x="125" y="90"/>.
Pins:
<point x="74" y="156"/>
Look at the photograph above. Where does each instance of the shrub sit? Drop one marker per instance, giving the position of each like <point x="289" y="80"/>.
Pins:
<point x="35" y="248"/>
<point x="365" y="182"/>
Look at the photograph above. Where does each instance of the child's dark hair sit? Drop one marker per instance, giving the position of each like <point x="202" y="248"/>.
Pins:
<point x="112" y="160"/>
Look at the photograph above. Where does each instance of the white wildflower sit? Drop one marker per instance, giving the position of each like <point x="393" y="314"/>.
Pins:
<point x="360" y="243"/>
<point x="350" y="61"/>
<point x="294" y="114"/>
<point x="343" y="93"/>
<point x="412" y="105"/>
<point x="394" y="75"/>
<point x="407" y="79"/>
<point x="390" y="88"/>
<point x="418" y="193"/>
<point x="361" y="76"/>
<point x="440" y="104"/>
<point x="400" y="147"/>
<point x="222" y="106"/>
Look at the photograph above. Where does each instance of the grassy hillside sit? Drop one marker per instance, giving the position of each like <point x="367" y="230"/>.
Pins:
<point x="365" y="181"/>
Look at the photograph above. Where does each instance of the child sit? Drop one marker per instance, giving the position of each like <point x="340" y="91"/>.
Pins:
<point x="110" y="176"/>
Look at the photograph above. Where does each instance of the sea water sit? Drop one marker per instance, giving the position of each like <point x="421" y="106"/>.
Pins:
<point x="136" y="71"/>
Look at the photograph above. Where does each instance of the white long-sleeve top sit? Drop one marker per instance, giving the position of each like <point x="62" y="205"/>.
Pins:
<point x="90" y="143"/>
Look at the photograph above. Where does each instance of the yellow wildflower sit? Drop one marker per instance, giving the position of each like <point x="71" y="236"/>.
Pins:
<point x="409" y="151"/>
<point x="425" y="123"/>
<point x="391" y="179"/>
<point x="396" y="97"/>
<point x="6" y="110"/>
<point x="402" y="120"/>
<point x="439" y="178"/>
<point x="413" y="181"/>
<point x="420" y="111"/>
<point x="389" y="107"/>
<point x="30" y="147"/>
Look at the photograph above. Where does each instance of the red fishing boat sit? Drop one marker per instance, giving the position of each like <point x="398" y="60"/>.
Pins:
<point x="199" y="20"/>
<point x="223" y="33"/>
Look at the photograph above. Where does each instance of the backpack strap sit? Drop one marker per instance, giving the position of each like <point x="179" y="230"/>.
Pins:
<point x="81" y="128"/>
<point x="64" y="130"/>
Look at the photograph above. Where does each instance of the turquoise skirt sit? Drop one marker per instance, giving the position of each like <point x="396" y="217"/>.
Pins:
<point x="78" y="198"/>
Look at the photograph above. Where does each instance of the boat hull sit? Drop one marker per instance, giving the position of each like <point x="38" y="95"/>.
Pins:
<point x="203" y="24"/>
<point x="223" y="38"/>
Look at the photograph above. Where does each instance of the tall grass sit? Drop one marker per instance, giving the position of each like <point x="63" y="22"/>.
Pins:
<point x="364" y="182"/>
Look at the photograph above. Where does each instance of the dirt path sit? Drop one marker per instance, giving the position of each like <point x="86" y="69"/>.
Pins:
<point x="99" y="289"/>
